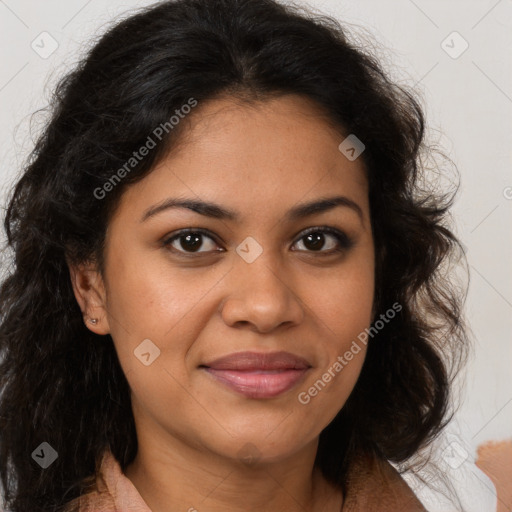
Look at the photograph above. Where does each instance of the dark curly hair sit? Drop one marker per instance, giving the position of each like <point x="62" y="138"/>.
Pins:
<point x="63" y="384"/>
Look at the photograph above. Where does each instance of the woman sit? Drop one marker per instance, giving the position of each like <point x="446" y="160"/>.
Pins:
<point x="229" y="287"/>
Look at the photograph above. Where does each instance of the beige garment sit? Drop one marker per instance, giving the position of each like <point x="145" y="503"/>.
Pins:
<point x="374" y="486"/>
<point x="114" y="492"/>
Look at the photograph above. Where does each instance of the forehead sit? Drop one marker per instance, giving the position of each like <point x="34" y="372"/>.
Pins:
<point x="249" y="156"/>
<point x="290" y="126"/>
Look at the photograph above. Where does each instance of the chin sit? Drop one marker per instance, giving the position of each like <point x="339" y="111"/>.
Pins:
<point x="261" y="447"/>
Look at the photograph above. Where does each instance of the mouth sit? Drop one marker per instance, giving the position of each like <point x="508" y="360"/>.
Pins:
<point x="258" y="375"/>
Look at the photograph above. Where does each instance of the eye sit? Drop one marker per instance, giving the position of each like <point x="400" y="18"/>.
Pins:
<point x="315" y="239"/>
<point x="189" y="241"/>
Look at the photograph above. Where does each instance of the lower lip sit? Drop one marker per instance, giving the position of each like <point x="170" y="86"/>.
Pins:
<point x="259" y="383"/>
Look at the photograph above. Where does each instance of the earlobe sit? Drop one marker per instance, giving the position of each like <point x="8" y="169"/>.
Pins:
<point x="89" y="291"/>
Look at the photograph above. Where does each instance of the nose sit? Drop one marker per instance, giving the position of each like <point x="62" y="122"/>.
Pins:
<point x="261" y="296"/>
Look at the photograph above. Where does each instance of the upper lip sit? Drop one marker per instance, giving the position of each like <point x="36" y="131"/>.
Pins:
<point x="259" y="361"/>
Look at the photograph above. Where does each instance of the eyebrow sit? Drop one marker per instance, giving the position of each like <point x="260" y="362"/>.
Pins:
<point x="209" y="209"/>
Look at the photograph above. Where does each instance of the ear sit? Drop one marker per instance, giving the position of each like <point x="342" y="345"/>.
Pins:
<point x="89" y="290"/>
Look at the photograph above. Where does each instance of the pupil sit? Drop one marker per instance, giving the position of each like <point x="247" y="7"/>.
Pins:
<point x="317" y="240"/>
<point x="192" y="242"/>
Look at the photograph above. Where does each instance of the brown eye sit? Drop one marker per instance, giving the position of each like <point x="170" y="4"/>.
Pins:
<point x="190" y="241"/>
<point x="316" y="240"/>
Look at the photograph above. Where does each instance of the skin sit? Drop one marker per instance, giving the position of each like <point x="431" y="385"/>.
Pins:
<point x="495" y="459"/>
<point x="193" y="432"/>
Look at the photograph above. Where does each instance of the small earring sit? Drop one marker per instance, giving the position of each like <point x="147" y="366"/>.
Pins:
<point x="93" y="321"/>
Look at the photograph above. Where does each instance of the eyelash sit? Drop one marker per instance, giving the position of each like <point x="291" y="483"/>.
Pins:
<point x="345" y="242"/>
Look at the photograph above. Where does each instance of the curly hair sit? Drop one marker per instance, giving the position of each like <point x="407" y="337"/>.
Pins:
<point x="63" y="384"/>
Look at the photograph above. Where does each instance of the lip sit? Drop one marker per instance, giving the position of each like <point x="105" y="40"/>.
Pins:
<point x="247" y="361"/>
<point x="259" y="375"/>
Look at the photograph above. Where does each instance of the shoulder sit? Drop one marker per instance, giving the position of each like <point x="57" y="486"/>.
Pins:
<point x="112" y="492"/>
<point x="374" y="485"/>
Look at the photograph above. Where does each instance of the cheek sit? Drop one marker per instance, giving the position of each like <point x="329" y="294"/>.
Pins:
<point x="343" y="311"/>
<point x="143" y="297"/>
<point x="343" y="302"/>
<point x="146" y="301"/>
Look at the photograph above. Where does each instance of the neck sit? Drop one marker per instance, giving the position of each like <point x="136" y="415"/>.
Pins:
<point x="181" y="477"/>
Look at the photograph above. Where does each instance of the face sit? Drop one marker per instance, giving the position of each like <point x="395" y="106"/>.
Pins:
<point x="263" y="276"/>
